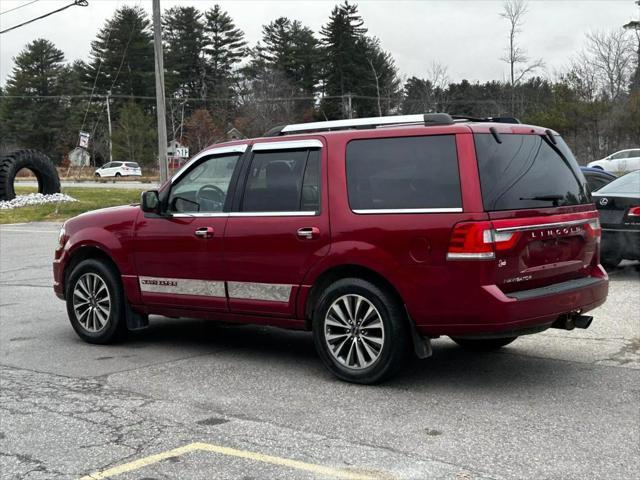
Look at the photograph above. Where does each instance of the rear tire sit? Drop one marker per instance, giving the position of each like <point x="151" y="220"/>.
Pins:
<point x="95" y="302"/>
<point x="118" y="174"/>
<point x="360" y="331"/>
<point x="483" y="344"/>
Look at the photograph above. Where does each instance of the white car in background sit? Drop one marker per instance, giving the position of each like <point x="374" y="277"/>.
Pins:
<point x="620" y="162"/>
<point x="119" y="169"/>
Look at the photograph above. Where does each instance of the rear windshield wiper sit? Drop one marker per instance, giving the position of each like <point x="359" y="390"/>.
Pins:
<point x="546" y="198"/>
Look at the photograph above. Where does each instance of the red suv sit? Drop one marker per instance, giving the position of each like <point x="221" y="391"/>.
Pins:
<point x="376" y="234"/>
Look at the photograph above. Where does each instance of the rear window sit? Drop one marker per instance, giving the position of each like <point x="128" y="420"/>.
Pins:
<point x="403" y="173"/>
<point x="526" y="171"/>
<point x="628" y="184"/>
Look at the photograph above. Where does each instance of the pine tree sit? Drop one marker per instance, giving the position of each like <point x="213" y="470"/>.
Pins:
<point x="134" y="137"/>
<point x="122" y="58"/>
<point x="379" y="86"/>
<point x="35" y="122"/>
<point x="224" y="48"/>
<point x="183" y="56"/>
<point x="340" y="41"/>
<point x="292" y="48"/>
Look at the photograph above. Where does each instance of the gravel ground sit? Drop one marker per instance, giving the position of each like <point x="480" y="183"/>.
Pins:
<point x="35" y="199"/>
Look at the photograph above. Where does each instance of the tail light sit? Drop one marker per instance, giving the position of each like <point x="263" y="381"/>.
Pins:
<point x="478" y="241"/>
<point x="593" y="229"/>
<point x="634" y="212"/>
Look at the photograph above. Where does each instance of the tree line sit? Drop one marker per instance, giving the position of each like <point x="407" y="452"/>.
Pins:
<point x="216" y="81"/>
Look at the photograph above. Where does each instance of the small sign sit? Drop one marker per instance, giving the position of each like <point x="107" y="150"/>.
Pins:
<point x="84" y="140"/>
<point x="182" y="152"/>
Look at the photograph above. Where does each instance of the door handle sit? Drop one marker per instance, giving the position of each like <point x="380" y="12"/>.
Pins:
<point x="308" y="233"/>
<point x="204" y="232"/>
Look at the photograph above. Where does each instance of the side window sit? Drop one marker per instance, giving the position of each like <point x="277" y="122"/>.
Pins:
<point x="204" y="188"/>
<point x="116" y="164"/>
<point x="619" y="155"/>
<point x="283" y="181"/>
<point x="106" y="165"/>
<point x="403" y="173"/>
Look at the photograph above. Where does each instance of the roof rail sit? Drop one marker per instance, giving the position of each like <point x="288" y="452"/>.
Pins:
<point x="362" y="123"/>
<point x="465" y="118"/>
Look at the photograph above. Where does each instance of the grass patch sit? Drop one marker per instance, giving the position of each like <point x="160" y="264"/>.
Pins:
<point x="88" y="199"/>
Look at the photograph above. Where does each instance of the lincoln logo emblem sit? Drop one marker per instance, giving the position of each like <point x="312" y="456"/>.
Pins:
<point x="604" y="201"/>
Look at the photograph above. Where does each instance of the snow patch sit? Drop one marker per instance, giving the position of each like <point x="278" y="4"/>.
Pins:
<point x="35" y="199"/>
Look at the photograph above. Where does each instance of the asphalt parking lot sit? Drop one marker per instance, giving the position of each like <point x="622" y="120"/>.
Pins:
<point x="191" y="399"/>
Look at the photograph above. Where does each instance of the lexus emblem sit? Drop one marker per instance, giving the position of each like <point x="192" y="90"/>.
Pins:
<point x="604" y="201"/>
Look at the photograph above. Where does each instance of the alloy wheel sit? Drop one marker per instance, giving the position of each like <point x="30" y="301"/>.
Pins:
<point x="353" y="331"/>
<point x="91" y="302"/>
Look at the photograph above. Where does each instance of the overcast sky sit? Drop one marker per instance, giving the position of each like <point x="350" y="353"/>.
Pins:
<point x="467" y="36"/>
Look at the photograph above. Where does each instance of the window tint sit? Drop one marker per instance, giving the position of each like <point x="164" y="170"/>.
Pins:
<point x="634" y="153"/>
<point x="596" y="182"/>
<point x="627" y="184"/>
<point x="283" y="181"/>
<point x="106" y="165"/>
<point x="525" y="171"/>
<point x="204" y="188"/>
<point x="403" y="173"/>
<point x="132" y="164"/>
<point x="116" y="164"/>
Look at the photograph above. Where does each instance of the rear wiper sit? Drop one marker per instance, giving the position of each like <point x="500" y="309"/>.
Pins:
<point x="545" y="198"/>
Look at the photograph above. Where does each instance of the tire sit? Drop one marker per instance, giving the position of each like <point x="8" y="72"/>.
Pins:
<point x="97" y="174"/>
<point x="610" y="260"/>
<point x="118" y="174"/>
<point x="483" y="344"/>
<point x="37" y="162"/>
<point x="90" y="328"/>
<point x="382" y="347"/>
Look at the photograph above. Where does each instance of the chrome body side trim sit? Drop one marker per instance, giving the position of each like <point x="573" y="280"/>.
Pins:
<point x="259" y="291"/>
<point x="273" y="214"/>
<point x="182" y="286"/>
<point x="240" y="148"/>
<point x="406" y="210"/>
<point x="471" y="256"/>
<point x="201" y="215"/>
<point x="287" y="145"/>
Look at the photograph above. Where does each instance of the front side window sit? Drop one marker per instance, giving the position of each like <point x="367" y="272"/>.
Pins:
<point x="283" y="181"/>
<point x="204" y="188"/>
<point x="403" y="173"/>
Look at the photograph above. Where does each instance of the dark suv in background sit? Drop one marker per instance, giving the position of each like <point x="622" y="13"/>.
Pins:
<point x="376" y="234"/>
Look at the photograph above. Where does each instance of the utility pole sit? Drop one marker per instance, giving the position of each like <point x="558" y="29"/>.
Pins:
<point x="109" y="121"/>
<point x="160" y="102"/>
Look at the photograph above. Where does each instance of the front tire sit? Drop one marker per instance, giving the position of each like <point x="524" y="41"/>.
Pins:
<point x="360" y="331"/>
<point x="483" y="344"/>
<point x="95" y="302"/>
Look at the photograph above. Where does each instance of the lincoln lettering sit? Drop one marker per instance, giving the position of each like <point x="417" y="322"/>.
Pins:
<point x="557" y="232"/>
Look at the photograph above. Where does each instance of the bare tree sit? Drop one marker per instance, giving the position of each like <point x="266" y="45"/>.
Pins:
<point x="612" y="57"/>
<point x="520" y="65"/>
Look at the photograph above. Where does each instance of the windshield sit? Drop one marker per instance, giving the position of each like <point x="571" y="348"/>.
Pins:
<point x="528" y="171"/>
<point x="628" y="184"/>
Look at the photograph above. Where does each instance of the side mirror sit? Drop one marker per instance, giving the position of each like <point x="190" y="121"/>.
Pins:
<point x="150" y="201"/>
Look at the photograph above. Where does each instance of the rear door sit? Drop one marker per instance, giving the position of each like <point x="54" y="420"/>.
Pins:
<point x="279" y="227"/>
<point x="544" y="225"/>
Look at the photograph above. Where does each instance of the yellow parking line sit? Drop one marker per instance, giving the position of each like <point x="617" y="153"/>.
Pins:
<point x="208" y="447"/>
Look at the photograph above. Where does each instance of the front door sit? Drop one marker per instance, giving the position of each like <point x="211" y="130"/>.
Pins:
<point x="179" y="256"/>
<point x="279" y="226"/>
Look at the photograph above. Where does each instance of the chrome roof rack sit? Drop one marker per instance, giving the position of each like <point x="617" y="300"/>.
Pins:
<point x="362" y="123"/>
<point x="427" y="119"/>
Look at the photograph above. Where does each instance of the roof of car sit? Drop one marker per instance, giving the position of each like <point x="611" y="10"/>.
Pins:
<point x="598" y="171"/>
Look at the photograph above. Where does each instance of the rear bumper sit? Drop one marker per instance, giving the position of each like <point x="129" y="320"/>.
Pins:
<point x="526" y="311"/>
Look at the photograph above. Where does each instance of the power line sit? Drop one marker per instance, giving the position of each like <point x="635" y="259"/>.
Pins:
<point x="19" y="7"/>
<point x="79" y="3"/>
